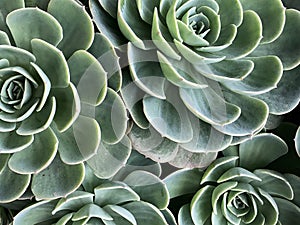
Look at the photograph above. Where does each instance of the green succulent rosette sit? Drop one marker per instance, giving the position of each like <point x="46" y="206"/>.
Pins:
<point x="52" y="92"/>
<point x="203" y="74"/>
<point x="129" y="198"/>
<point x="238" y="188"/>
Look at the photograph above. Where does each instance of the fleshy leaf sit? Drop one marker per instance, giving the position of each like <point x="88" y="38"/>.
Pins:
<point x="7" y="6"/>
<point x="206" y="138"/>
<point x="13" y="185"/>
<point x="248" y="37"/>
<point x="104" y="51"/>
<point x="238" y="174"/>
<point x="294" y="181"/>
<point x="286" y="96"/>
<point x="256" y="82"/>
<point x="4" y="39"/>
<point x="184" y="216"/>
<point x="109" y="159"/>
<point x="180" y="73"/>
<point x="183" y="182"/>
<point x="145" y="213"/>
<point x="38" y="121"/>
<point x="106" y="23"/>
<point x="133" y="97"/>
<point x="76" y="145"/>
<point x="57" y="180"/>
<point x="119" y="214"/>
<point x="112" y="117"/>
<point x="114" y="193"/>
<point x="209" y="106"/>
<point x="149" y="187"/>
<point x="12" y="142"/>
<point x="288" y="212"/>
<point x="227" y="70"/>
<point x="134" y="30"/>
<point x="38" y="24"/>
<point x="261" y="150"/>
<point x="73" y="201"/>
<point x="35" y="213"/>
<point x="274" y="183"/>
<point x="217" y="168"/>
<point x="201" y="206"/>
<point x="78" y="30"/>
<point x="250" y="107"/>
<point x="187" y="159"/>
<point x="234" y="16"/>
<point x="169" y="117"/>
<point x="37" y="156"/>
<point x="16" y="56"/>
<point x="67" y="108"/>
<point x="146" y="72"/>
<point x="91" y="210"/>
<point x="150" y="143"/>
<point x="89" y="77"/>
<point x="52" y="62"/>
<point x="287" y="46"/>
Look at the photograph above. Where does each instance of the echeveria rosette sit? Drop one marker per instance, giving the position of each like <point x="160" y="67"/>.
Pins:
<point x="132" y="197"/>
<point x="202" y="69"/>
<point x="49" y="85"/>
<point x="237" y="188"/>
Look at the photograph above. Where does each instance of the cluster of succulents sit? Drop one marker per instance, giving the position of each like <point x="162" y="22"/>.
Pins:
<point x="95" y="94"/>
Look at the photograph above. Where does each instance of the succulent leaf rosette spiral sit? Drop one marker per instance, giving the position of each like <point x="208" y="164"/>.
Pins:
<point x="48" y="83"/>
<point x="238" y="188"/>
<point x="130" y="197"/>
<point x="204" y="74"/>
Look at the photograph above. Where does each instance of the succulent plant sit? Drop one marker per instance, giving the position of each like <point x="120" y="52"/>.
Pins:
<point x="238" y="189"/>
<point x="52" y="89"/>
<point x="203" y="74"/>
<point x="139" y="198"/>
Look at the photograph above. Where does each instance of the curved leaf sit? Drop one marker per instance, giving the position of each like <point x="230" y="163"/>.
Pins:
<point x="12" y="142"/>
<point x="52" y="62"/>
<point x="248" y="37"/>
<point x="67" y="107"/>
<point x="261" y="150"/>
<point x="109" y="159"/>
<point x="210" y="106"/>
<point x="38" y="24"/>
<point x="286" y="96"/>
<point x="57" y="180"/>
<point x="35" y="213"/>
<point x="77" y="20"/>
<point x="187" y="159"/>
<point x="182" y="182"/>
<point x="250" y="107"/>
<point x="37" y="156"/>
<point x="104" y="51"/>
<point x="89" y="77"/>
<point x="13" y="185"/>
<point x="149" y="187"/>
<point x="287" y="46"/>
<point x="146" y="72"/>
<point x="266" y="10"/>
<point x="169" y="117"/>
<point x="145" y="213"/>
<point x="76" y="145"/>
<point x="150" y="143"/>
<point x="112" y="117"/>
